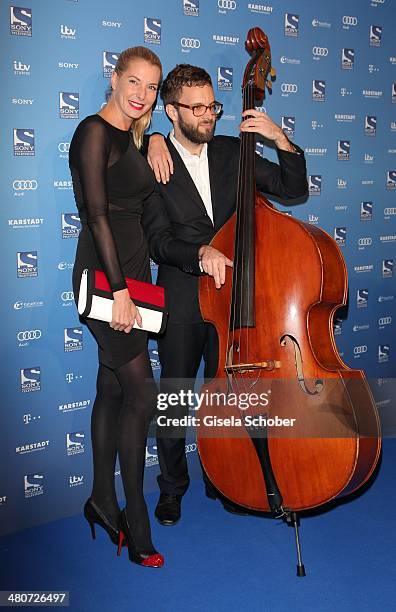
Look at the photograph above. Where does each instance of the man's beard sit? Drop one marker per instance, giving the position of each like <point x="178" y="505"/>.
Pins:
<point x="194" y="135"/>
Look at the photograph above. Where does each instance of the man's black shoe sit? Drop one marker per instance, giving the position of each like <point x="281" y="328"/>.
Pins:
<point x="229" y="506"/>
<point x="168" y="510"/>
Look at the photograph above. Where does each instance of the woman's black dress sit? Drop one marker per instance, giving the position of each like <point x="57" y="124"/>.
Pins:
<point x="111" y="180"/>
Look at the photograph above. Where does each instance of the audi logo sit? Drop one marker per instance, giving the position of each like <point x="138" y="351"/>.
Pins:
<point x="289" y="88"/>
<point x="322" y="51"/>
<point x="384" y="320"/>
<point x="190" y="448"/>
<point x="227" y="4"/>
<point x="31" y="334"/>
<point x="63" y="147"/>
<point x="358" y="350"/>
<point x="190" y="43"/>
<point x="390" y="211"/>
<point x="67" y="296"/>
<point x="365" y="241"/>
<point x="348" y="20"/>
<point x="24" y="185"/>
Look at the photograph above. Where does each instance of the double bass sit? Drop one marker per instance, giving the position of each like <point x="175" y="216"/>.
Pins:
<point x="274" y="321"/>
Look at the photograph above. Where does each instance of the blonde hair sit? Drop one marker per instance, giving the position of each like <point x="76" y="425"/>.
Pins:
<point x="139" y="126"/>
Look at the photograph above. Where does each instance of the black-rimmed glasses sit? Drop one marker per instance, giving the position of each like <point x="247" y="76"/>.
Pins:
<point x="200" y="109"/>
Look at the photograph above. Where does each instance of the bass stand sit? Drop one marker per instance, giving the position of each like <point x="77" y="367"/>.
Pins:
<point x="293" y="520"/>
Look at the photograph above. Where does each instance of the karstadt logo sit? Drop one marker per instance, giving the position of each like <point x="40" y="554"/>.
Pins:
<point x="75" y="443"/>
<point x="71" y="225"/>
<point x="24" y="449"/>
<point x="375" y="35"/>
<point x="366" y="211"/>
<point x="226" y="5"/>
<point x="23" y="142"/>
<point x="374" y="94"/>
<point x="25" y="223"/>
<point x="224" y="39"/>
<point x="291" y="25"/>
<point x="67" y="32"/>
<point x="383" y="353"/>
<point x="189" y="43"/>
<point x="340" y="235"/>
<point x="27" y="264"/>
<point x="391" y="179"/>
<point x="362" y="298"/>
<point x="262" y="9"/>
<point x="152" y="31"/>
<point x="24" y="337"/>
<point x="318" y="90"/>
<point x="387" y="268"/>
<point x="73" y="339"/>
<point x="63" y="184"/>
<point x="347" y="59"/>
<point x="33" y="485"/>
<point x="349" y="21"/>
<point x="72" y="406"/>
<point x="69" y="105"/>
<point x="343" y="150"/>
<point x="288" y="88"/>
<point x="344" y="117"/>
<point x="363" y="268"/>
<point x="20" y="21"/>
<point x="224" y="78"/>
<point x="21" y="69"/>
<point x="109" y="59"/>
<point x="319" y="151"/>
<point x="3" y="500"/>
<point x="30" y="379"/>
<point x="288" y="125"/>
<point x="191" y="8"/>
<point x="315" y="184"/>
<point x="370" y="125"/>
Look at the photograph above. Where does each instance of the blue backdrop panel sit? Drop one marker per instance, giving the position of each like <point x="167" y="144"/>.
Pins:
<point x="335" y="95"/>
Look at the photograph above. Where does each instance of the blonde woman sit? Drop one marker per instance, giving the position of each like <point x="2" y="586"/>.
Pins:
<point x="111" y="180"/>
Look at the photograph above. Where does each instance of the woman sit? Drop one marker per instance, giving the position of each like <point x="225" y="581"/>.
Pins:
<point x="111" y="180"/>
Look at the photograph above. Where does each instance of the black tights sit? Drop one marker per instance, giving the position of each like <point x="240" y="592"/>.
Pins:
<point x="121" y="414"/>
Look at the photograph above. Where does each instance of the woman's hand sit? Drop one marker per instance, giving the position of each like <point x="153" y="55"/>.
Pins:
<point x="159" y="158"/>
<point x="124" y="312"/>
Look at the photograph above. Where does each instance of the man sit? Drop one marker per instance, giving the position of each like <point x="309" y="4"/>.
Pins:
<point x="180" y="220"/>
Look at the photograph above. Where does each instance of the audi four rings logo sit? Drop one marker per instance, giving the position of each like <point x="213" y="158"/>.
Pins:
<point x="31" y="334"/>
<point x="289" y="88"/>
<point x="67" y="296"/>
<point x="358" y="350"/>
<point x="348" y="20"/>
<point x="190" y="43"/>
<point x="24" y="185"/>
<point x="365" y="241"/>
<point x="384" y="320"/>
<point x="227" y="4"/>
<point x="190" y="448"/>
<point x="63" y="147"/>
<point x="322" y="51"/>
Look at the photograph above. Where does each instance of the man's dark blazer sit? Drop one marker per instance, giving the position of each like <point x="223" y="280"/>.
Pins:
<point x="177" y="225"/>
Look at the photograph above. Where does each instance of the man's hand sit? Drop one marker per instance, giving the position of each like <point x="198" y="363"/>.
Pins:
<point x="214" y="263"/>
<point x="159" y="158"/>
<point x="260" y="123"/>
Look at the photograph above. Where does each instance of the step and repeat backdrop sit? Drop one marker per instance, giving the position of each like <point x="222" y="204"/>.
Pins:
<point x="334" y="95"/>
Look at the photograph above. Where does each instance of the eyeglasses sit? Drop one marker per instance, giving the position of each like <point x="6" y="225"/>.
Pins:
<point x="200" y="109"/>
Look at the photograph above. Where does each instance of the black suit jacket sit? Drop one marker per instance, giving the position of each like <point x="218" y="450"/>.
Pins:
<point x="177" y="225"/>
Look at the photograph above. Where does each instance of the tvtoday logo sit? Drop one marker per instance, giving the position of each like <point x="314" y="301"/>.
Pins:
<point x="315" y="184"/>
<point x="366" y="211"/>
<point x="109" y="59"/>
<point x="224" y="78"/>
<point x="71" y="225"/>
<point x="318" y="90"/>
<point x="27" y="264"/>
<point x="24" y="144"/>
<point x="191" y="8"/>
<point x="291" y="24"/>
<point x="69" y="105"/>
<point x="375" y="35"/>
<point x="33" y="485"/>
<point x="75" y="443"/>
<point x="73" y="339"/>
<point x="362" y="298"/>
<point x="288" y="125"/>
<point x="343" y="150"/>
<point x="20" y="21"/>
<point x="347" y="59"/>
<point x="370" y="125"/>
<point x="152" y="31"/>
<point x="30" y="379"/>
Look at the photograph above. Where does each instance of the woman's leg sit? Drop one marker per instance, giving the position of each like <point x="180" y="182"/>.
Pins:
<point x="139" y="395"/>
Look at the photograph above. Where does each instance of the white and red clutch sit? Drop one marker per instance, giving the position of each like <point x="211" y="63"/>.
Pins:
<point x="95" y="300"/>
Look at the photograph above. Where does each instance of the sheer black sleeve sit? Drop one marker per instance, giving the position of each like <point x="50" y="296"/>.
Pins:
<point x="92" y="154"/>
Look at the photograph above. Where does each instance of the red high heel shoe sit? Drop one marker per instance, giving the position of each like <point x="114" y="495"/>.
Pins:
<point x="147" y="558"/>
